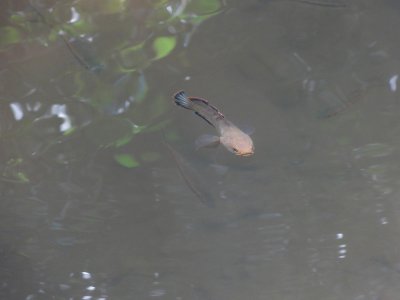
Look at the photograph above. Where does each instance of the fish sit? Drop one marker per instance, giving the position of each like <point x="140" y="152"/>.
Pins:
<point x="230" y="136"/>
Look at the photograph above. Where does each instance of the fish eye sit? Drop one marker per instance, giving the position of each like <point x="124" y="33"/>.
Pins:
<point x="235" y="150"/>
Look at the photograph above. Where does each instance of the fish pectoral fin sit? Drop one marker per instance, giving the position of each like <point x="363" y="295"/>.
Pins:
<point x="206" y="141"/>
<point x="247" y="129"/>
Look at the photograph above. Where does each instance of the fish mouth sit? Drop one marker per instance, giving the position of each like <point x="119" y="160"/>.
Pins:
<point x="247" y="154"/>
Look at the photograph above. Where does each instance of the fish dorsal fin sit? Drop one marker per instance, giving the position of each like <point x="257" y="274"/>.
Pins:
<point x="201" y="101"/>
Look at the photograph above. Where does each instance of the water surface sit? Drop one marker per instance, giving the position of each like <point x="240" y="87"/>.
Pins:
<point x="93" y="206"/>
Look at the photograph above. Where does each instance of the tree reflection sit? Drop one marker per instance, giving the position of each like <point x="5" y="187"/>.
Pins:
<point x="73" y="68"/>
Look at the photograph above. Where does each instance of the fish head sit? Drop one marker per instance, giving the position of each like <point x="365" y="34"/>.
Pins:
<point x="238" y="143"/>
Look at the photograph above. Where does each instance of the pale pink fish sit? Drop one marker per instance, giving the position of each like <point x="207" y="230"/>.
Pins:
<point x="230" y="136"/>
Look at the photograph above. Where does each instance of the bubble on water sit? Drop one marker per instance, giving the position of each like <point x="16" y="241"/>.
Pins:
<point x="86" y="275"/>
<point x="75" y="16"/>
<point x="157" y="293"/>
<point x="393" y="82"/>
<point x="64" y="286"/>
<point x="384" y="221"/>
<point x="17" y="111"/>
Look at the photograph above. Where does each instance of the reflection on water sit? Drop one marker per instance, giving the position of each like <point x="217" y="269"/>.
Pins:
<point x="93" y="206"/>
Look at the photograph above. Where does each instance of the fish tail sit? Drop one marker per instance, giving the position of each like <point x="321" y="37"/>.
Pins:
<point x="182" y="100"/>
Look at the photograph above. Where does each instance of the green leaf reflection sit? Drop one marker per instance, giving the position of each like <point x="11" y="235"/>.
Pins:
<point x="126" y="160"/>
<point x="9" y="35"/>
<point x="163" y="45"/>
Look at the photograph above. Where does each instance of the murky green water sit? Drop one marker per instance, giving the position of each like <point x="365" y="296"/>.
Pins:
<point x="93" y="202"/>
